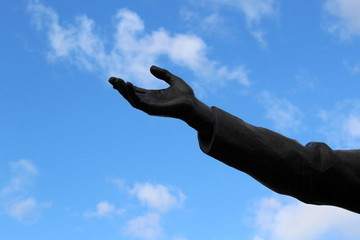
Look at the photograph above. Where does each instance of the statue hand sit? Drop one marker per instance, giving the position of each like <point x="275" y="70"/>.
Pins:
<point x="175" y="101"/>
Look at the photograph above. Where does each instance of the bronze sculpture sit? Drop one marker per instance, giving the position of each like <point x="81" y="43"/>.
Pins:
<point x="314" y="173"/>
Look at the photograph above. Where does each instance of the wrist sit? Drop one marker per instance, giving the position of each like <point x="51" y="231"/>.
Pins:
<point x="200" y="117"/>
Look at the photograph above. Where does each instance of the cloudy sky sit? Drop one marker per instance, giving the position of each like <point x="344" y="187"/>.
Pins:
<point x="77" y="162"/>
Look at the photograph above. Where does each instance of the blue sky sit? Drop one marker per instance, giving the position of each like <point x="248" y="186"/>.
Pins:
<point x="77" y="162"/>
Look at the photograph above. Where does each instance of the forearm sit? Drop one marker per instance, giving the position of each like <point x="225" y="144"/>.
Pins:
<point x="200" y="117"/>
<point x="313" y="173"/>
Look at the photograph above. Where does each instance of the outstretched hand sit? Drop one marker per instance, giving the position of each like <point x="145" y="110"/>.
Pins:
<point x="175" y="101"/>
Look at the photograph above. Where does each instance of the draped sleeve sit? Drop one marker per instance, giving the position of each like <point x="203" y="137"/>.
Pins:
<point x="313" y="173"/>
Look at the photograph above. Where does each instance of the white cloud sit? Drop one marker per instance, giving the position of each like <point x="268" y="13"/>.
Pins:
<point x="351" y="126"/>
<point x="341" y="125"/>
<point x="212" y="23"/>
<point x="158" y="197"/>
<point x="345" y="15"/>
<point x="254" y="11"/>
<point x="120" y="184"/>
<point x="160" y="200"/>
<point x="259" y="36"/>
<point x="14" y="195"/>
<point x="154" y="199"/>
<point x="24" y="166"/>
<point x="104" y="209"/>
<point x="133" y="50"/>
<point x="353" y="68"/>
<point x="76" y="43"/>
<point x="294" y="220"/>
<point x="257" y="238"/>
<point x="23" y="173"/>
<point x="145" y="227"/>
<point x="356" y="68"/>
<point x="283" y="113"/>
<point x="21" y="209"/>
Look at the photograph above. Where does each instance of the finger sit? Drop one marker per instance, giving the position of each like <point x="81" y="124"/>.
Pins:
<point x="119" y="85"/>
<point x="122" y="89"/>
<point x="140" y="90"/>
<point x="113" y="80"/>
<point x="132" y="97"/>
<point x="162" y="74"/>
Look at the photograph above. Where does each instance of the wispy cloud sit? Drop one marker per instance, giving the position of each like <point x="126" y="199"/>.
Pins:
<point x="104" y="209"/>
<point x="254" y="11"/>
<point x="158" y="197"/>
<point x="145" y="227"/>
<point x="23" y="174"/>
<point x="353" y="68"/>
<point x="341" y="125"/>
<point x="154" y="200"/>
<point x="283" y="220"/>
<point x="285" y="115"/>
<point x="344" y="18"/>
<point x="132" y="51"/>
<point x="212" y="23"/>
<point x="21" y="209"/>
<point x="14" y="196"/>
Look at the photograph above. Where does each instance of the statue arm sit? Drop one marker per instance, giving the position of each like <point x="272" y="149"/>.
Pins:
<point x="313" y="173"/>
<point x="176" y="101"/>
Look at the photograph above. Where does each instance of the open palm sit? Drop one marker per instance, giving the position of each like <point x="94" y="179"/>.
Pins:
<point x="175" y="101"/>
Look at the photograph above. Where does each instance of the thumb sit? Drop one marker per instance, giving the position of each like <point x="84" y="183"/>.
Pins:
<point x="162" y="74"/>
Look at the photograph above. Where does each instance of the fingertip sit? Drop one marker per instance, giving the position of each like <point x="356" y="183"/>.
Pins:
<point x="112" y="80"/>
<point x="154" y="69"/>
<point x="129" y="84"/>
<point x="160" y="73"/>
